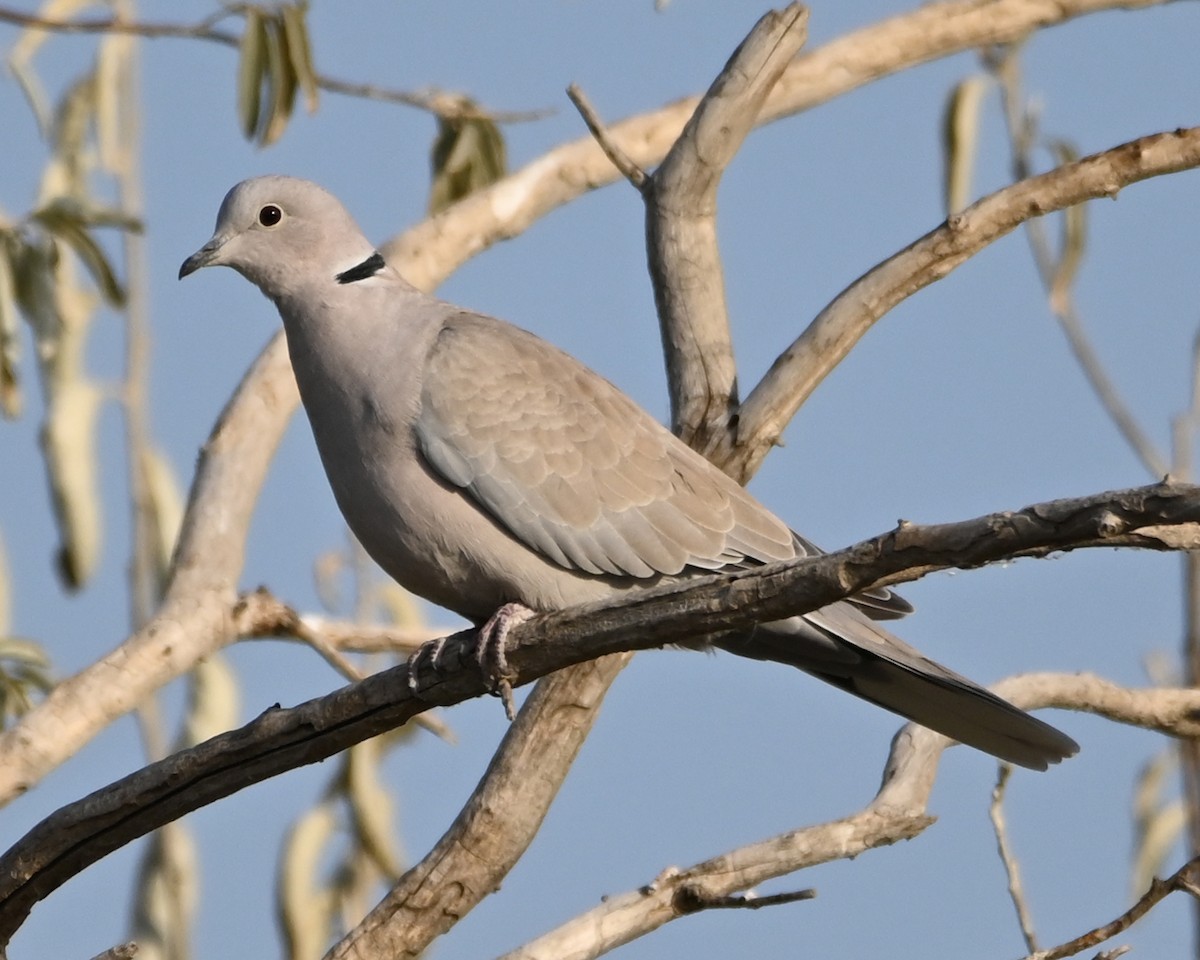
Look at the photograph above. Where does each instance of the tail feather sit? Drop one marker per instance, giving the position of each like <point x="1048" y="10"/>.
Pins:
<point x="843" y="647"/>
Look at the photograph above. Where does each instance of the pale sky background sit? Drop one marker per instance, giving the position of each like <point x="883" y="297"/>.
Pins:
<point x="962" y="401"/>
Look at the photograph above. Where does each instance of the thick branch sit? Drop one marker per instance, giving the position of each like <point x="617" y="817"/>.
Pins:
<point x="195" y="617"/>
<point x="681" y="229"/>
<point x="837" y="328"/>
<point x="497" y="823"/>
<point x="1163" y="516"/>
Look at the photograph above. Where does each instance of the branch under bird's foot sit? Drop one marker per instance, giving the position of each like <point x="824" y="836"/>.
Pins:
<point x="429" y="652"/>
<point x="489" y="651"/>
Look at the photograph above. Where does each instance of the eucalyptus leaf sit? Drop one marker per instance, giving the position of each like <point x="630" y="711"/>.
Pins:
<point x="468" y="154"/>
<point x="252" y="67"/>
<point x="10" y="345"/>
<point x="299" y="50"/>
<point x="960" y="140"/>
<point x="282" y="83"/>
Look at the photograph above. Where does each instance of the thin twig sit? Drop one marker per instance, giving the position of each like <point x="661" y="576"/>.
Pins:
<point x="1022" y="131"/>
<point x="846" y="319"/>
<point x="1008" y="858"/>
<point x="620" y="159"/>
<point x="123" y="951"/>
<point x="1159" y="890"/>
<point x="433" y="101"/>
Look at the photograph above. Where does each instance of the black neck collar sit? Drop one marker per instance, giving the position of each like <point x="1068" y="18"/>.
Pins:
<point x="368" y="268"/>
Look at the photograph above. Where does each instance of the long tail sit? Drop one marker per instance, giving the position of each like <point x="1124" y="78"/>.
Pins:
<point x="843" y="647"/>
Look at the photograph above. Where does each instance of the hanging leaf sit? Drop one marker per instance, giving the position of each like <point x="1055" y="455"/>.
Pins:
<point x="1158" y="822"/>
<point x="213" y="701"/>
<point x="164" y="508"/>
<point x="34" y="261"/>
<point x="281" y="83"/>
<point x="299" y="51"/>
<point x="306" y="910"/>
<point x="25" y="675"/>
<point x="5" y="594"/>
<point x="64" y="218"/>
<point x="73" y="121"/>
<point x="252" y="70"/>
<point x="371" y="807"/>
<point x="166" y="894"/>
<point x="467" y="155"/>
<point x="960" y="140"/>
<point x="36" y="97"/>
<point x="398" y="605"/>
<point x="68" y="440"/>
<point x="1074" y="235"/>
<point x="10" y="338"/>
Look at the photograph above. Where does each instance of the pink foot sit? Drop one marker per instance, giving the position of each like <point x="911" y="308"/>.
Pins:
<point x="489" y="650"/>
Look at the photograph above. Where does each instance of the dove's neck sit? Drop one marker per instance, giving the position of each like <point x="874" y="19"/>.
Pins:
<point x="360" y="345"/>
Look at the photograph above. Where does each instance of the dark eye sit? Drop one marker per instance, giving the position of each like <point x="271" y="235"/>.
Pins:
<point x="270" y="215"/>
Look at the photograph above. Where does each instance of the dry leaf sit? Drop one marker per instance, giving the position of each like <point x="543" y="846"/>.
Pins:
<point x="960" y="140"/>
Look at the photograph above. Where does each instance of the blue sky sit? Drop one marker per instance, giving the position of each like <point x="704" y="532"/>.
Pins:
<point x="962" y="401"/>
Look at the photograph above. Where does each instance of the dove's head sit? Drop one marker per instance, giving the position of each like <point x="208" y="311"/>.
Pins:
<point x="283" y="235"/>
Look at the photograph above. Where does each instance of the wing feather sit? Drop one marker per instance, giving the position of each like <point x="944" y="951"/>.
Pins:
<point x="572" y="468"/>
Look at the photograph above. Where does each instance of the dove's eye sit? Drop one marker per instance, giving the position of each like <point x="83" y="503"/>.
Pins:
<point x="270" y="215"/>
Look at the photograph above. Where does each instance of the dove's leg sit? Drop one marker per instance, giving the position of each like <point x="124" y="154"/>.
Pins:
<point x="489" y="650"/>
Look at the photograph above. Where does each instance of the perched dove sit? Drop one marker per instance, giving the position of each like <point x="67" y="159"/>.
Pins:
<point x="483" y="468"/>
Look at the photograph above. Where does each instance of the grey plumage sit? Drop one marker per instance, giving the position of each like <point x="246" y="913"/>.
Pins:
<point x="479" y="465"/>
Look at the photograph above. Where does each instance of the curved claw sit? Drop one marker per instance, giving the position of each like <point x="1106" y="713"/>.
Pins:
<point x="489" y="651"/>
<point x="431" y="652"/>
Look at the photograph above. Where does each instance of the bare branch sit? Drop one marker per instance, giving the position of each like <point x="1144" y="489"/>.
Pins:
<point x="123" y="951"/>
<point x="681" y="231"/>
<point x="1183" y="879"/>
<point x="1000" y="825"/>
<point x="195" y="617"/>
<point x="1021" y="128"/>
<point x="497" y="823"/>
<point x="618" y="157"/>
<point x="898" y="812"/>
<point x="433" y="101"/>
<point x="439" y="246"/>
<point x="1159" y="517"/>
<point x="838" y="327"/>
<point x="201" y="30"/>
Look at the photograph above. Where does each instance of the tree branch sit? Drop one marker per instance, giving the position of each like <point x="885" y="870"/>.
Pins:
<point x="898" y="812"/>
<point x="497" y="823"/>
<point x="838" y="327"/>
<point x="1185" y="878"/>
<point x="432" y="101"/>
<point x="681" y="230"/>
<point x="513" y="204"/>
<point x="1163" y="516"/>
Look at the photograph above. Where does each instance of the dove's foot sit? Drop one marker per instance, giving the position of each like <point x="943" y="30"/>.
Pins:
<point x="489" y="651"/>
<point x="429" y="653"/>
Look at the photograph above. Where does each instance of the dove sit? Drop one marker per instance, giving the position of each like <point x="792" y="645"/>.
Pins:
<point x="493" y="474"/>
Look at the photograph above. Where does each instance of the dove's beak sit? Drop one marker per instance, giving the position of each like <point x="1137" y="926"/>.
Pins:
<point x="206" y="256"/>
